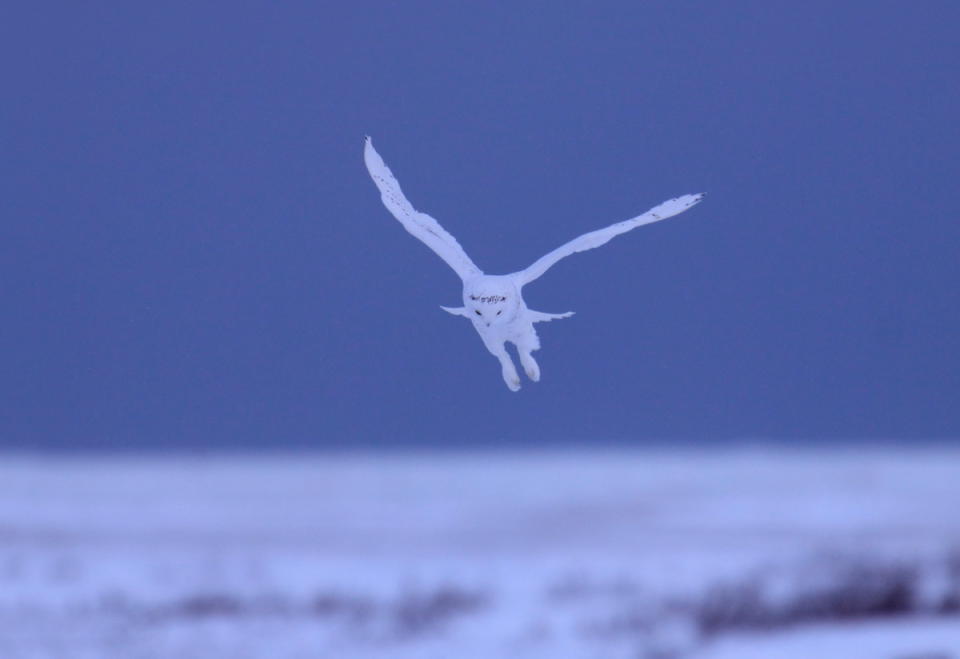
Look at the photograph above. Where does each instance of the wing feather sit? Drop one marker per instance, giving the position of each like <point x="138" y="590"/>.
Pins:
<point x="420" y="225"/>
<point x="602" y="236"/>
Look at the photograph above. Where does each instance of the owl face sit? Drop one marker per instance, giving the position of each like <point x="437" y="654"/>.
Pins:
<point x="492" y="301"/>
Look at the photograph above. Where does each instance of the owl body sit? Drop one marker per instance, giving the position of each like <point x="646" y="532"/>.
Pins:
<point x="495" y="306"/>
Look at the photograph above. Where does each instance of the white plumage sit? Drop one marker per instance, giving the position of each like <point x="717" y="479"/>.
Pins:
<point x="494" y="303"/>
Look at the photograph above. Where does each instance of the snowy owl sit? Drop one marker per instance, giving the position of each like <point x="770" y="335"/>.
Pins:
<point x="494" y="303"/>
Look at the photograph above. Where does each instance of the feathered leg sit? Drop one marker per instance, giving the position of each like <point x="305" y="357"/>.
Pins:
<point x="509" y="371"/>
<point x="526" y="344"/>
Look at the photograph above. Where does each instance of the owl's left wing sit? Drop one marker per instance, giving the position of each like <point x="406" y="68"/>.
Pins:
<point x="421" y="225"/>
<point x="602" y="236"/>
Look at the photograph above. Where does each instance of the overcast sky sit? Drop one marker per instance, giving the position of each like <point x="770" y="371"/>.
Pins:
<point x="193" y="255"/>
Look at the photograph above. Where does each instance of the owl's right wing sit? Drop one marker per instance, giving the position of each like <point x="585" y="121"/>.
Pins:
<point x="602" y="236"/>
<point x="421" y="225"/>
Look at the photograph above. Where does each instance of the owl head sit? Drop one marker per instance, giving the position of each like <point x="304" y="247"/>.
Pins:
<point x="491" y="300"/>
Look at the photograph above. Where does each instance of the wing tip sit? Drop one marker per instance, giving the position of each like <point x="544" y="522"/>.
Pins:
<point x="688" y="200"/>
<point x="370" y="155"/>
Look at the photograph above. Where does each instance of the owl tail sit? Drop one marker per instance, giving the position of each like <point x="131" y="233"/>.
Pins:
<point x="540" y="317"/>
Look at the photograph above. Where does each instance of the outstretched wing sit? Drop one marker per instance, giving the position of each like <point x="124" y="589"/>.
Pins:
<point x="602" y="236"/>
<point x="421" y="225"/>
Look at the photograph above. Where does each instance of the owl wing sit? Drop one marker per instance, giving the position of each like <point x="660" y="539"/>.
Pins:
<point x="421" y="225"/>
<point x="602" y="236"/>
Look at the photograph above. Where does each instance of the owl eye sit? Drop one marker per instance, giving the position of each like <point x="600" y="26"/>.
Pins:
<point x="500" y="312"/>
<point x="477" y="311"/>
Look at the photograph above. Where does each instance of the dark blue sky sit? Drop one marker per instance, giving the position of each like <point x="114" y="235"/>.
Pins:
<point x="193" y="255"/>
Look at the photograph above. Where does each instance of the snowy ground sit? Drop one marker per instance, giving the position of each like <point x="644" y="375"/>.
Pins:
<point x="603" y="555"/>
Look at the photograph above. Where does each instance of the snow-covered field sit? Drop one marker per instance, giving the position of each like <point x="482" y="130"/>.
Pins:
<point x="569" y="554"/>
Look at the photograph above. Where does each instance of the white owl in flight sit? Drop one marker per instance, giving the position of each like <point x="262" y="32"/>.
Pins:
<point x="494" y="303"/>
